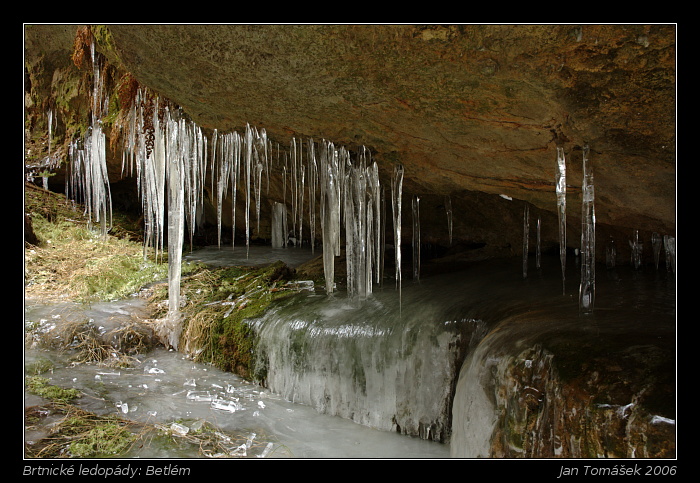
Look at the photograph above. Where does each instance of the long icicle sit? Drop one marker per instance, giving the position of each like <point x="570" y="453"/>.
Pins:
<point x="587" y="287"/>
<point x="561" y="210"/>
<point x="396" y="188"/>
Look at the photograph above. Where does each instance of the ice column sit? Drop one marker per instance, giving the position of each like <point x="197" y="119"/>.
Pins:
<point x="526" y="238"/>
<point x="561" y="210"/>
<point x="587" y="287"/>
<point x="416" y="238"/>
<point x="176" y="190"/>
<point x="396" y="188"/>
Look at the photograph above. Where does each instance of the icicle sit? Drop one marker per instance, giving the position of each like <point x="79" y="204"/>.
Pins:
<point x="235" y="170"/>
<point x="330" y="210"/>
<point x="356" y="220"/>
<point x="175" y="213"/>
<point x="561" y="210"/>
<point x="382" y="238"/>
<point x="636" y="251"/>
<point x="224" y="175"/>
<point x="670" y="248"/>
<point x="587" y="287"/>
<point x="448" y="210"/>
<point x="313" y="182"/>
<point x="49" y="116"/>
<point x="376" y="200"/>
<point x="610" y="253"/>
<point x="258" y="188"/>
<point x="656" y="246"/>
<point x="248" y="162"/>
<point x="526" y="238"/>
<point x="416" y="238"/>
<point x="396" y="188"/>
<point x="537" y="250"/>
<point x="293" y="183"/>
<point x="300" y="202"/>
<point x="91" y="165"/>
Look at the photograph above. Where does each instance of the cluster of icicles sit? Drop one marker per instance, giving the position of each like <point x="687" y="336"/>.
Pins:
<point x="172" y="160"/>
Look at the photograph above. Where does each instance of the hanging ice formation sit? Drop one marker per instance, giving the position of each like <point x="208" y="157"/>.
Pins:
<point x="561" y="210"/>
<point x="416" y="237"/>
<point x="656" y="246"/>
<point x="537" y="252"/>
<point x="396" y="189"/>
<point x="88" y="165"/>
<point x="610" y="254"/>
<point x="448" y="210"/>
<point x="587" y="287"/>
<point x="526" y="238"/>
<point x="636" y="251"/>
<point x="171" y="160"/>
<point x="670" y="248"/>
<point x="362" y="211"/>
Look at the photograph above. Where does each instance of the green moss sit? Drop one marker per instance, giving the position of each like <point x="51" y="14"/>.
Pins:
<point x="107" y="438"/>
<point x="220" y="301"/>
<point x="40" y="386"/>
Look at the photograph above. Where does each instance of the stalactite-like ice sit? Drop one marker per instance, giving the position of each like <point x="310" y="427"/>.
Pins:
<point x="396" y="189"/>
<point x="313" y="185"/>
<point x="416" y="237"/>
<point x="89" y="171"/>
<point x="376" y="193"/>
<point x="611" y="253"/>
<point x="587" y="287"/>
<point x="248" y="160"/>
<point x="526" y="238"/>
<point x="359" y="229"/>
<point x="329" y="183"/>
<point x="636" y="251"/>
<point x="539" y="240"/>
<point x="177" y="150"/>
<point x="448" y="210"/>
<point x="561" y="211"/>
<point x="670" y="248"/>
<point x="656" y="246"/>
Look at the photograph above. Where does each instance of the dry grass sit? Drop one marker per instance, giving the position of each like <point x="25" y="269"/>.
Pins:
<point x="71" y="261"/>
